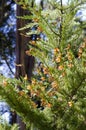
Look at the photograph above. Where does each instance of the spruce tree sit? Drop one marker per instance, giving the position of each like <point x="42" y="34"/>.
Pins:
<point x="55" y="97"/>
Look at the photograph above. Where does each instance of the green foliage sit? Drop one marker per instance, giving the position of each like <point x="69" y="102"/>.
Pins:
<point x="20" y="99"/>
<point x="8" y="127"/>
<point x="59" y="76"/>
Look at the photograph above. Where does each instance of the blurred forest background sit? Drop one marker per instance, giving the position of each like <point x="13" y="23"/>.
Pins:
<point x="7" y="37"/>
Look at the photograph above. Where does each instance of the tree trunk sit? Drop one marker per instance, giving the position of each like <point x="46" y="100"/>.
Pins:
<point x="24" y="63"/>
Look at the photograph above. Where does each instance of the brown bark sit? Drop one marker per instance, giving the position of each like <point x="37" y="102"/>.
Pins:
<point x="24" y="63"/>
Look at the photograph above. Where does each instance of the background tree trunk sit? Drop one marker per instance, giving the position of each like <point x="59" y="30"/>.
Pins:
<point x="24" y="63"/>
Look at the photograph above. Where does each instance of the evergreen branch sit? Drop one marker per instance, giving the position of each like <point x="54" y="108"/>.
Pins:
<point x="82" y="79"/>
<point x="35" y="46"/>
<point x="61" y="10"/>
<point x="39" y="119"/>
<point x="77" y="5"/>
<point x="50" y="26"/>
<point x="53" y="5"/>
